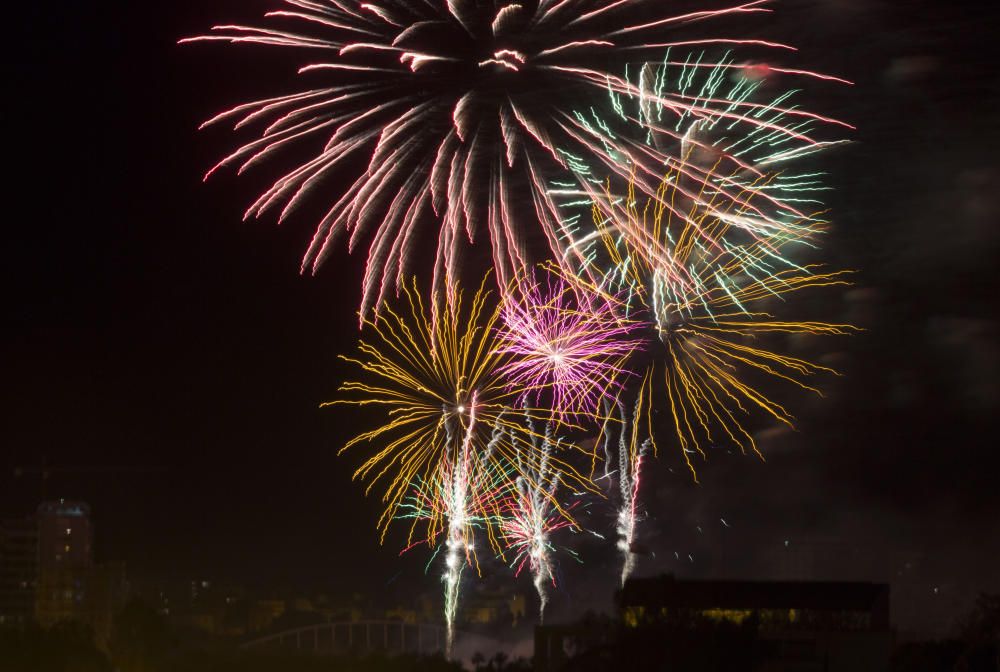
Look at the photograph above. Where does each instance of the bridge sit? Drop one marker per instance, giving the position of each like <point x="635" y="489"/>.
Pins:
<point x="388" y="637"/>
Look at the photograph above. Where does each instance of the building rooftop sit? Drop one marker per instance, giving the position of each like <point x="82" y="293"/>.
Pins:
<point x="697" y="594"/>
<point x="64" y="508"/>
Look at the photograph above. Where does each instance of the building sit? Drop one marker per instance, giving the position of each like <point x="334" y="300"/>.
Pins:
<point x="65" y="559"/>
<point x="774" y="605"/>
<point x="790" y="626"/>
<point x="18" y="570"/>
<point x="48" y="574"/>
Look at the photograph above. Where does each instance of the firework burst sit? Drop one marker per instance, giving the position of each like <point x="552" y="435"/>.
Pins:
<point x="436" y="381"/>
<point x="721" y="167"/>
<point x="435" y="376"/>
<point x="704" y="311"/>
<point x="446" y="107"/>
<point x="565" y="347"/>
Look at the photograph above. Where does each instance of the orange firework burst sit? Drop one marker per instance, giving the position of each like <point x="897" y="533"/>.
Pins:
<point x="705" y="307"/>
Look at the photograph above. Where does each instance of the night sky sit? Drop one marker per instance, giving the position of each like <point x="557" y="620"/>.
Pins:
<point x="144" y="325"/>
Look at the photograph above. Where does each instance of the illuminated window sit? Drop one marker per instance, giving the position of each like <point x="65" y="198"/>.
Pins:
<point x="732" y="615"/>
<point x="634" y="615"/>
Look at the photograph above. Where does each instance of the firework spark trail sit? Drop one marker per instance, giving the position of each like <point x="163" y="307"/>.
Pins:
<point x="533" y="514"/>
<point x="630" y="457"/>
<point x="458" y="546"/>
<point x="566" y="347"/>
<point x="468" y="495"/>
<point x="606" y="436"/>
<point x="443" y="100"/>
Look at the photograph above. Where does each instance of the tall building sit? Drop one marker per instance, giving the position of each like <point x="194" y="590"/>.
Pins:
<point x="65" y="560"/>
<point x="18" y="569"/>
<point x="48" y="575"/>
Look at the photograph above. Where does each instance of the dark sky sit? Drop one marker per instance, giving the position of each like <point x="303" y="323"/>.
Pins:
<point x="145" y="325"/>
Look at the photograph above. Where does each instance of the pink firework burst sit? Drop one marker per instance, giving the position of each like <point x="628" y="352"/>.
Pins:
<point x="463" y="111"/>
<point x="566" y="348"/>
